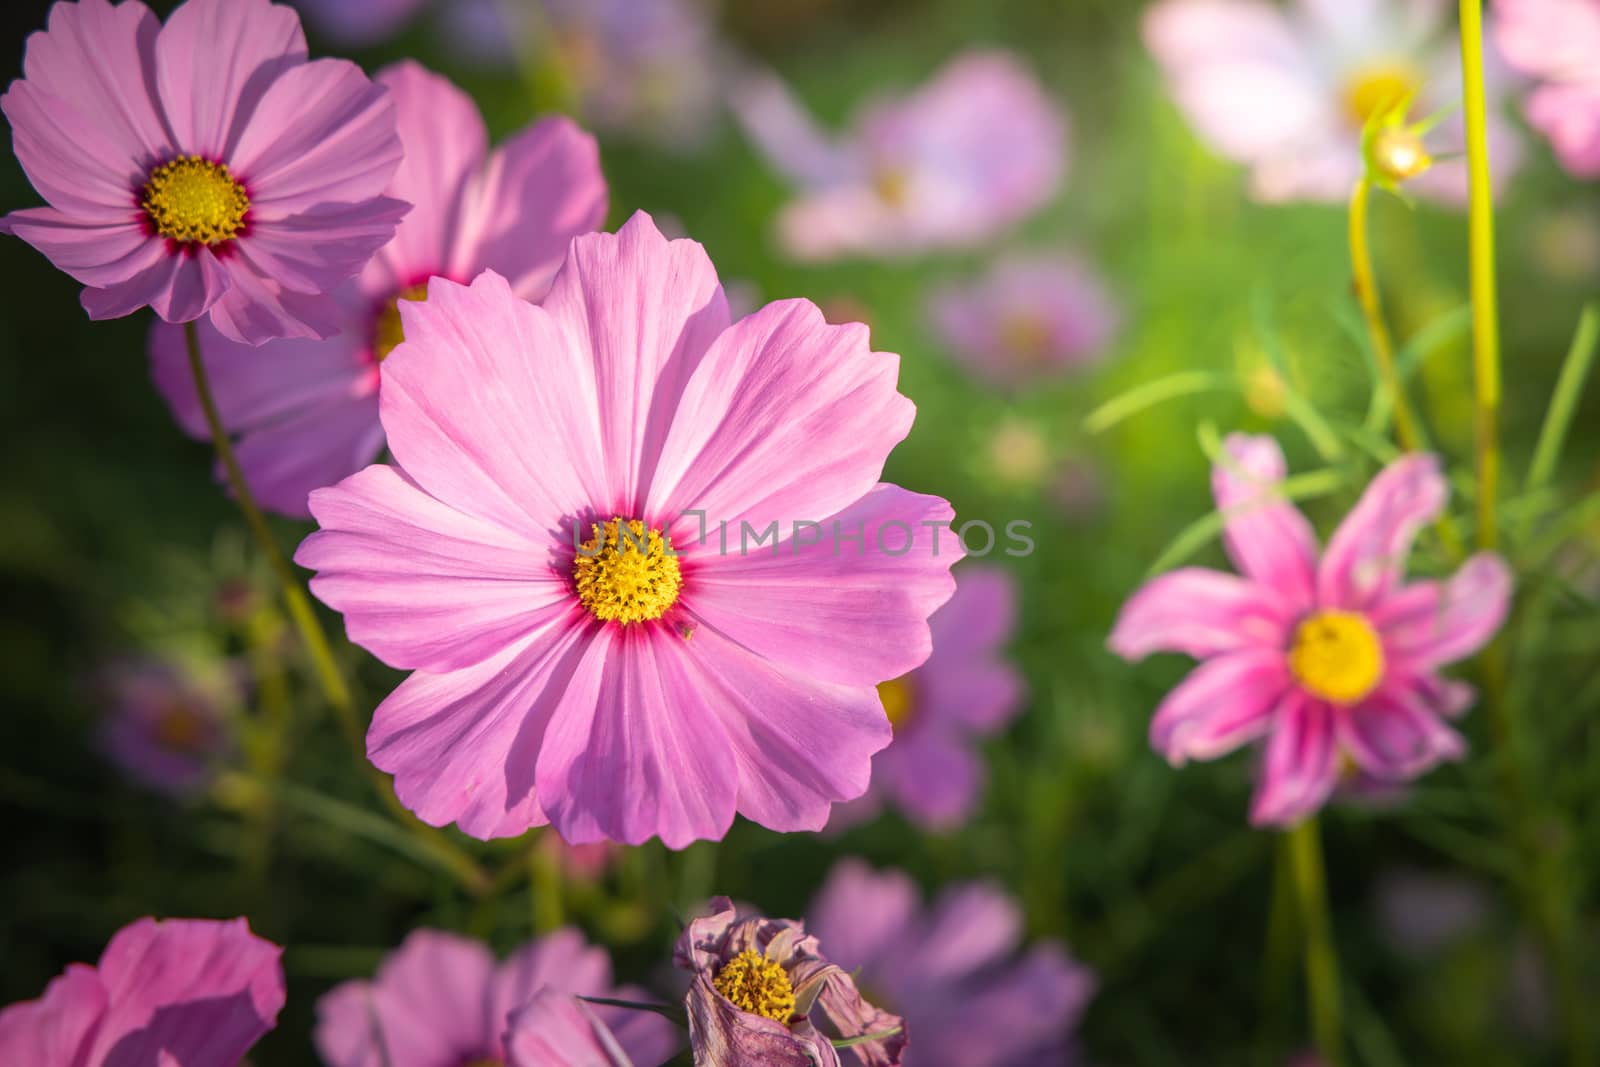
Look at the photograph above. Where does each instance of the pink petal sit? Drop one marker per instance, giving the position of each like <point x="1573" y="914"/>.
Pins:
<point x="94" y="254"/>
<point x="560" y="960"/>
<point x="256" y="309"/>
<point x="180" y="286"/>
<point x="970" y="927"/>
<point x="934" y="776"/>
<point x="966" y="683"/>
<point x="285" y="462"/>
<point x="1366" y="558"/>
<point x="1301" y="766"/>
<point x="1569" y="115"/>
<point x="59" y="1027"/>
<point x="1395" y="736"/>
<point x="490" y="406"/>
<point x="539" y="190"/>
<point x="835" y="609"/>
<point x="421" y="585"/>
<point x="1429" y="624"/>
<point x="216" y="63"/>
<point x="786" y="418"/>
<point x="1200" y="613"/>
<point x="1225" y="702"/>
<point x="556" y="1029"/>
<point x="636" y="752"/>
<point x="314" y="251"/>
<point x="70" y="160"/>
<point x="784" y="131"/>
<point x="860" y="915"/>
<point x="1553" y="39"/>
<point x="1266" y="536"/>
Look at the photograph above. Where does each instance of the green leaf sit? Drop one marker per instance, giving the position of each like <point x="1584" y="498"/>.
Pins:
<point x="1137" y="399"/>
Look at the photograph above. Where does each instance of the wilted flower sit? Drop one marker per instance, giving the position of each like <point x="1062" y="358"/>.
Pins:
<point x="306" y="412"/>
<point x="1557" y="42"/>
<point x="1027" y="319"/>
<point x="959" y="161"/>
<point x="557" y="1029"/>
<point x="965" y="690"/>
<point x="166" y="725"/>
<point x="187" y="992"/>
<point x="1288" y="91"/>
<point x="757" y="985"/>
<point x="441" y="1000"/>
<point x="593" y="647"/>
<point x="203" y="166"/>
<point x="1335" y="663"/>
<point x="953" y="969"/>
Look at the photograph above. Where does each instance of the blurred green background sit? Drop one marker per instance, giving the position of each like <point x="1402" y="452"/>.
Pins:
<point x="113" y="539"/>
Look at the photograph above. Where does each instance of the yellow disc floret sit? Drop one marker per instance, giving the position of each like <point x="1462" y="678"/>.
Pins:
<point x="897" y="701"/>
<point x="1336" y="655"/>
<point x="625" y="574"/>
<point x="1378" y="87"/>
<point x="387" y="332"/>
<point x="192" y="199"/>
<point x="757" y="985"/>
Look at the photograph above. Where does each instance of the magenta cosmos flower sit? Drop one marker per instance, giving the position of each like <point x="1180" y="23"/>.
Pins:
<point x="306" y="411"/>
<point x="441" y="1000"/>
<point x="557" y="1029"/>
<point x="965" y="690"/>
<point x="1287" y="90"/>
<point x="167" y="726"/>
<point x="1028" y="319"/>
<point x="179" y="993"/>
<point x="975" y="151"/>
<point x="1334" y="662"/>
<point x="969" y="998"/>
<point x="759" y="985"/>
<point x="203" y="166"/>
<point x="1557" y="42"/>
<point x="583" y="655"/>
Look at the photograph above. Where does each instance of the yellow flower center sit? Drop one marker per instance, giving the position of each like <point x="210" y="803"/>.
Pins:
<point x="179" y="727"/>
<point x="757" y="985"/>
<point x="1336" y="656"/>
<point x="387" y="332"/>
<point x="483" y="1063"/>
<point x="624" y="573"/>
<point x="192" y="199"/>
<point x="897" y="699"/>
<point x="1377" y="87"/>
<point x="892" y="184"/>
<point x="1026" y="336"/>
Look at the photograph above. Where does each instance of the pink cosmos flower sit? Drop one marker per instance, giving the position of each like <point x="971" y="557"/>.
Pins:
<point x="556" y="1029"/>
<point x="1287" y="90"/>
<point x="201" y="167"/>
<point x="1027" y="319"/>
<point x="360" y="22"/>
<point x="184" y="992"/>
<point x="1334" y="662"/>
<point x="965" y="690"/>
<point x="968" y="998"/>
<point x="757" y="984"/>
<point x="583" y="656"/>
<point x="306" y="411"/>
<point x="1557" y="42"/>
<point x="440" y="1000"/>
<point x="166" y="726"/>
<point x="966" y="157"/>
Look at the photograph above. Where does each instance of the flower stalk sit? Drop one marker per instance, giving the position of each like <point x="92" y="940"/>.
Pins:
<point x="1366" y="287"/>
<point x="1321" y="958"/>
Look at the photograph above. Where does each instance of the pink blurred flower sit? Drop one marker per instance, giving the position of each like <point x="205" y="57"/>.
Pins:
<point x="1287" y="90"/>
<point x="1422" y="913"/>
<point x="184" y="992"/>
<point x="1333" y="663"/>
<point x="201" y="167"/>
<point x="965" y="690"/>
<point x="441" y="1000"/>
<point x="305" y="412"/>
<point x="581" y="862"/>
<point x="1028" y="318"/>
<point x="361" y="22"/>
<point x="757" y="983"/>
<point x="568" y="668"/>
<point x="955" y="163"/>
<point x="557" y="1029"/>
<point x="969" y="999"/>
<point x="166" y="726"/>
<point x="1558" y="43"/>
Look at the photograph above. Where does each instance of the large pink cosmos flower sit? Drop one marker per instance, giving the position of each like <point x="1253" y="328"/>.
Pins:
<point x="306" y="411"/>
<point x="964" y="158"/>
<point x="952" y="968"/>
<point x="184" y="992"/>
<point x="203" y="166"/>
<point x="583" y="655"/>
<point x="1334" y="662"/>
<point x="1287" y="90"/>
<point x="440" y="1000"/>
<point x="1558" y="42"/>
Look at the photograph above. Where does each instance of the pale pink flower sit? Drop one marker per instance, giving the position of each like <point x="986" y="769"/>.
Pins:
<point x="1334" y="663"/>
<point x="183" y="992"/>
<point x="557" y="1029"/>
<point x="1287" y="90"/>
<point x="1558" y="43"/>
<point x="168" y="726"/>
<point x="957" y="162"/>
<point x="568" y="669"/>
<point x="305" y="412"/>
<point x="201" y="167"/>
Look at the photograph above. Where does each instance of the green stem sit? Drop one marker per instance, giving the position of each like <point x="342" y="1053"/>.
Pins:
<point x="545" y="886"/>
<point x="1366" y="286"/>
<point x="1321" y="959"/>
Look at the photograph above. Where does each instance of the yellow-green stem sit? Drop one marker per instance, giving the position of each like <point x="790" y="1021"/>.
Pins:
<point x="1321" y="959"/>
<point x="1366" y="286"/>
<point x="544" y="888"/>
